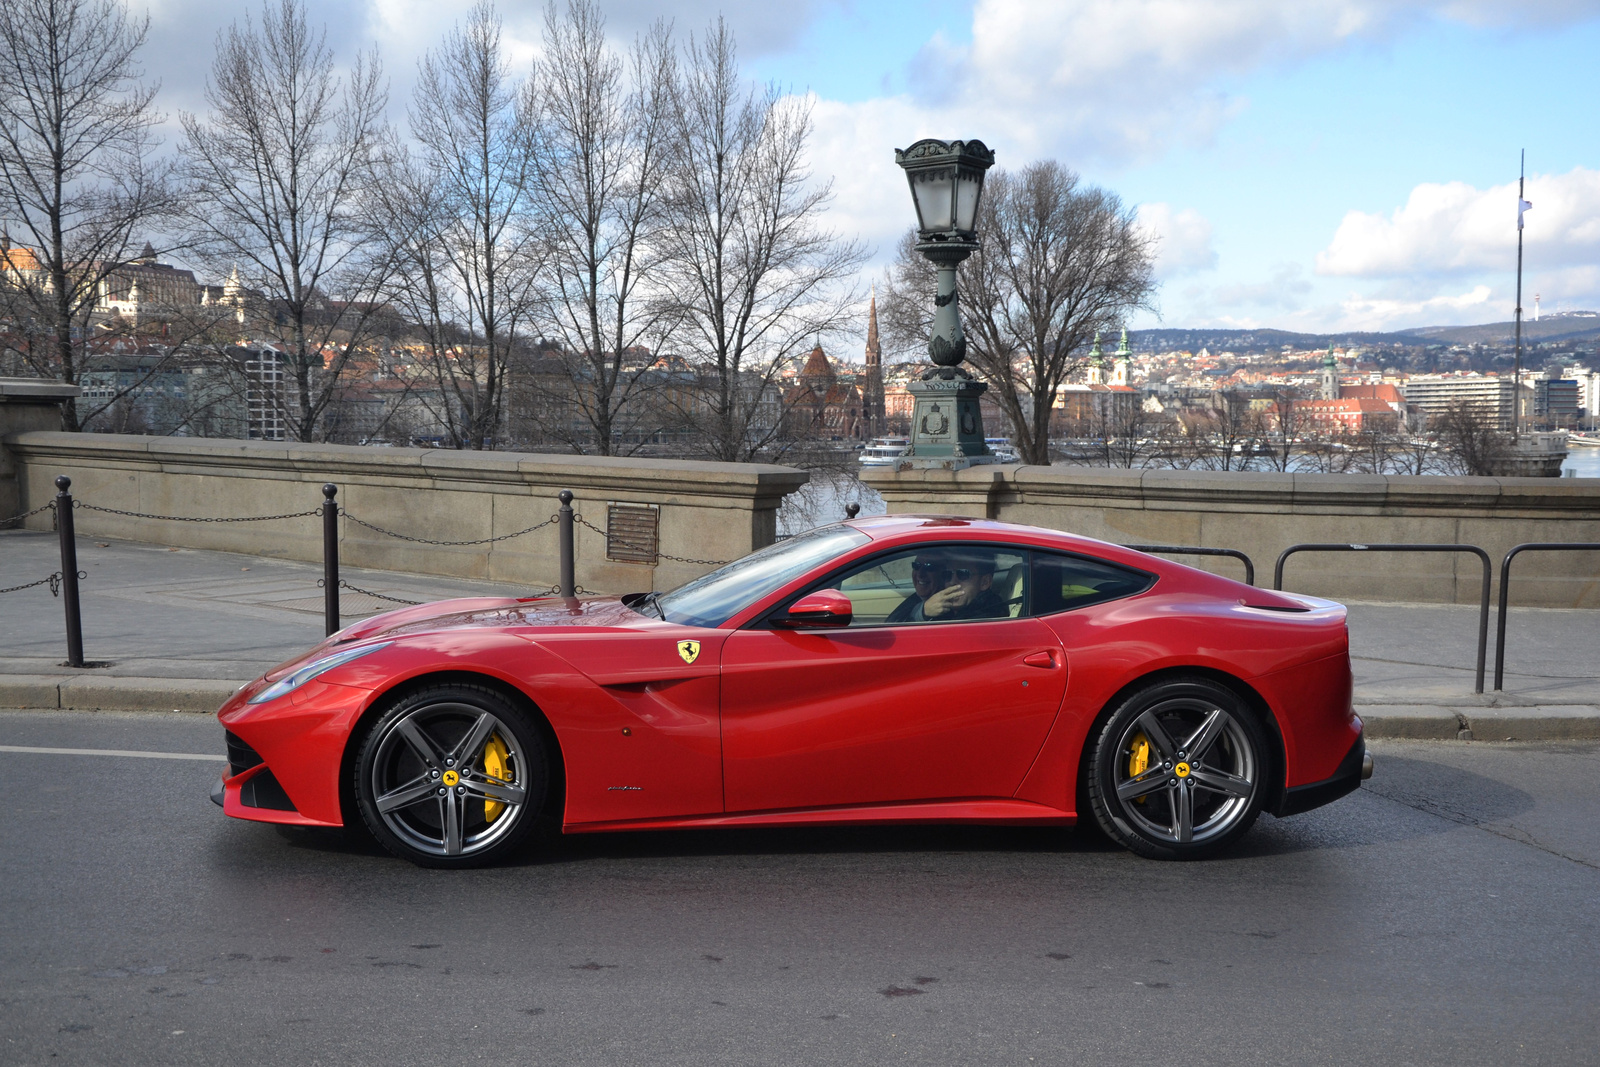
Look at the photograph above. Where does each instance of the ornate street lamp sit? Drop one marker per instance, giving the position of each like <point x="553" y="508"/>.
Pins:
<point x="946" y="179"/>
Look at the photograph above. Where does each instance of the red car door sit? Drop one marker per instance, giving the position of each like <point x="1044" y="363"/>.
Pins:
<point x="885" y="713"/>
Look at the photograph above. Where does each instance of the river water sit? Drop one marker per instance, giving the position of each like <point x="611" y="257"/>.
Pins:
<point x="1581" y="462"/>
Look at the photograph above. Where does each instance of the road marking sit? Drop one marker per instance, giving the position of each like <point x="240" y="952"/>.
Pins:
<point x="111" y="752"/>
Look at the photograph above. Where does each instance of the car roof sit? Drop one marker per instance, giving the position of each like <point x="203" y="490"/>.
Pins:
<point x="913" y="528"/>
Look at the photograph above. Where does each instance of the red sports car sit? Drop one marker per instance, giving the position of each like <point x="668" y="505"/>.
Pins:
<point x="887" y="670"/>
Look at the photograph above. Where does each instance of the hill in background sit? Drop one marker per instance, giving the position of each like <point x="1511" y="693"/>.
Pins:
<point x="1558" y="326"/>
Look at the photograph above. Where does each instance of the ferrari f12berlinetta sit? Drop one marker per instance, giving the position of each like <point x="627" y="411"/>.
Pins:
<point x="888" y="670"/>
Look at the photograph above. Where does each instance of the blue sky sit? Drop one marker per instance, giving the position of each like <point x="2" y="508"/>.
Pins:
<point x="1325" y="164"/>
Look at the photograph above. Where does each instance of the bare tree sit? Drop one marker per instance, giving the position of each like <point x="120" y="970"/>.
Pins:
<point x="277" y="172"/>
<point x="752" y="275"/>
<point x="1470" y="439"/>
<point x="75" y="181"/>
<point x="469" y="260"/>
<point x="605" y="127"/>
<point x="1281" y="428"/>
<point x="1232" y="431"/>
<point x="1058" y="262"/>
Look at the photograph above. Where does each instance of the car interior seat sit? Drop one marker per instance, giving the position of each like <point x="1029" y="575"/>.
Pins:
<point x="1011" y="584"/>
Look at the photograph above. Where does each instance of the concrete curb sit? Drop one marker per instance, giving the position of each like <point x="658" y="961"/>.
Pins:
<point x="77" y="693"/>
<point x="1547" y="722"/>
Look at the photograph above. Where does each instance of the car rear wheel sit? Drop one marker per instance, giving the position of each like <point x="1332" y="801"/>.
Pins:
<point x="452" y="776"/>
<point x="1179" y="770"/>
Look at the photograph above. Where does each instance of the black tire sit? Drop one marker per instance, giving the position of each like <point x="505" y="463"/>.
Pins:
<point x="1166" y="801"/>
<point x="452" y="733"/>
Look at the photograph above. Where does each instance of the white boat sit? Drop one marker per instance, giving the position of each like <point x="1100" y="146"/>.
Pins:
<point x="884" y="451"/>
<point x="1002" y="449"/>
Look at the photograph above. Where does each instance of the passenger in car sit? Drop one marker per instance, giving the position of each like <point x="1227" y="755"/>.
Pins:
<point x="928" y="575"/>
<point x="967" y="592"/>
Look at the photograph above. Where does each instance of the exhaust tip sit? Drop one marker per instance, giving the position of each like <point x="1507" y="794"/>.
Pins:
<point x="1366" y="765"/>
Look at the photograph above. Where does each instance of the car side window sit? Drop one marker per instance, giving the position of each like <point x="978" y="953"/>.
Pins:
<point x="1062" y="582"/>
<point x="937" y="583"/>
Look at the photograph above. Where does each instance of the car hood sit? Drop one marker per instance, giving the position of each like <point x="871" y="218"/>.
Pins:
<point x="495" y="613"/>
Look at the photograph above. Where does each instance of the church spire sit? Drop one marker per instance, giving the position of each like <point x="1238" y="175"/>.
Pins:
<point x="874" y="350"/>
<point x="1330" y="375"/>
<point x="1097" y="362"/>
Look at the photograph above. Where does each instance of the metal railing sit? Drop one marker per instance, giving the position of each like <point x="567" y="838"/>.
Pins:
<point x="1505" y="593"/>
<point x="1483" y="557"/>
<point x="1196" y="550"/>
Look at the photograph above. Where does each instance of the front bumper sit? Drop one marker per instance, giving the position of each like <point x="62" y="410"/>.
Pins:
<point x="1356" y="766"/>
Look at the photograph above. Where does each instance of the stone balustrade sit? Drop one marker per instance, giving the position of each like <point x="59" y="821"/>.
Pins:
<point x="1262" y="513"/>
<point x="704" y="511"/>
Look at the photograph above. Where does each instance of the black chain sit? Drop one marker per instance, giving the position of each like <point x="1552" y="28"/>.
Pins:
<point x="697" y="562"/>
<point x="51" y="506"/>
<point x="581" y="521"/>
<point x="322" y="583"/>
<point x="79" y="505"/>
<point x="54" y="581"/>
<point x="447" y="544"/>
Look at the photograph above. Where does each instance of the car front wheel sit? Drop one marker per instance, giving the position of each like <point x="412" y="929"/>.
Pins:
<point x="451" y="776"/>
<point x="1179" y="769"/>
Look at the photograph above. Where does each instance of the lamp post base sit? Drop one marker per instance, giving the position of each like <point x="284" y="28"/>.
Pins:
<point x="946" y="425"/>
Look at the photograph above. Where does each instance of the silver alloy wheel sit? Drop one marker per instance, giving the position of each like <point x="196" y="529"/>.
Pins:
<point x="439" y="743"/>
<point x="1201" y="775"/>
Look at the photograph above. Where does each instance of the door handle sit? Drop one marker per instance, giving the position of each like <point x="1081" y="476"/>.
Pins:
<point x="1044" y="660"/>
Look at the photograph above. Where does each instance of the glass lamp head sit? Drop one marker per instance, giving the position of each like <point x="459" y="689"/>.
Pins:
<point x="946" y="180"/>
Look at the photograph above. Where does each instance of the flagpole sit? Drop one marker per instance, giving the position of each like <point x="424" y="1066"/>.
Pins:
<point x="1516" y="395"/>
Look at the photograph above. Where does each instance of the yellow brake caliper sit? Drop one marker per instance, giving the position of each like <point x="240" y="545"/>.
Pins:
<point x="496" y="764"/>
<point x="1139" y="760"/>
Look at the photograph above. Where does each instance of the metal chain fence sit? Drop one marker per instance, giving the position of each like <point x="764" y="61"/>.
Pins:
<point x="54" y="581"/>
<point x="51" y="506"/>
<point x="446" y="544"/>
<point x="81" y="506"/>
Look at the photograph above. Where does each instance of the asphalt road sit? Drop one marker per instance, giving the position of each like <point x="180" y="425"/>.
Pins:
<point x="1449" y="912"/>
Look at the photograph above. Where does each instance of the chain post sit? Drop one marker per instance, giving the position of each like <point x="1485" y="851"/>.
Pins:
<point x="851" y="510"/>
<point x="330" y="560"/>
<point x="69" y="571"/>
<point x="569" y="580"/>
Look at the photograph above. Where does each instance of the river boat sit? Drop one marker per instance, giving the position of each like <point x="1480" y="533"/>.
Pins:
<point x="884" y="451"/>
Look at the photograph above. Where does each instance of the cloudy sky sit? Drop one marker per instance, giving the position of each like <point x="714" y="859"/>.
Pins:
<point x="1320" y="164"/>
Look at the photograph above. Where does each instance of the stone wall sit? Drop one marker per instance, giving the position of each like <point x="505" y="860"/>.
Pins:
<point x="1261" y="514"/>
<point x="708" y="511"/>
<point x="25" y="404"/>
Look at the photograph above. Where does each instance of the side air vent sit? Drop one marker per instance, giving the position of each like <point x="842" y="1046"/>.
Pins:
<point x="263" y="791"/>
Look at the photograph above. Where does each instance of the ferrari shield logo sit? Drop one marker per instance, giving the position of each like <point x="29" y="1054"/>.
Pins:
<point x="689" y="650"/>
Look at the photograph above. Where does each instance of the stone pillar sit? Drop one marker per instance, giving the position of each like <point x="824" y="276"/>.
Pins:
<point x="26" y="404"/>
<point x="946" y="425"/>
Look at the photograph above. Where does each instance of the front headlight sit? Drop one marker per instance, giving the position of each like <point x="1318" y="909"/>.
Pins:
<point x="295" y="679"/>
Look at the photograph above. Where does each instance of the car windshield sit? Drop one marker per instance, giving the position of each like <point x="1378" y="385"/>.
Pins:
<point x="714" y="598"/>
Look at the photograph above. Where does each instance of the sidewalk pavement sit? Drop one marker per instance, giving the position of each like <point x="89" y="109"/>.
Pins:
<point x="180" y="629"/>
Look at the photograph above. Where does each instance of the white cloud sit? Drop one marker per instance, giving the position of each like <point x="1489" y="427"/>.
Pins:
<point x="1477" y="304"/>
<point x="1120" y="79"/>
<point x="1183" y="239"/>
<point x="1455" y="228"/>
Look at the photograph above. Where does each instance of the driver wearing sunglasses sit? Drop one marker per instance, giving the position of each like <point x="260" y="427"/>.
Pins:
<point x="959" y="587"/>
<point x="927" y="578"/>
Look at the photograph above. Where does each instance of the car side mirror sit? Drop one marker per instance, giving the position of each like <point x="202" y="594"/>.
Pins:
<point x="825" y="609"/>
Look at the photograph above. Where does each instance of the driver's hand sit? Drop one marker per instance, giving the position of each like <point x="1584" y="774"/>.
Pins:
<point x="943" y="602"/>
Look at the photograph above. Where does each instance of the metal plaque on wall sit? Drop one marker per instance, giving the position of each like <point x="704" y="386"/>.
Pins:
<point x="632" y="533"/>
